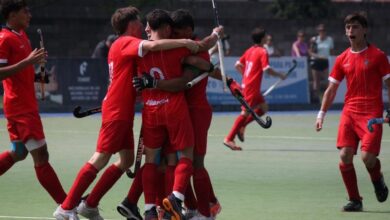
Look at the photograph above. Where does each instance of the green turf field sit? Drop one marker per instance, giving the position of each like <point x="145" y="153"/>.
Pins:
<point x="288" y="172"/>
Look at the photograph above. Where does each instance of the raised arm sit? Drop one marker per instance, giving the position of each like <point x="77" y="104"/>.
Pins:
<point x="166" y="44"/>
<point x="327" y="101"/>
<point x="36" y="56"/>
<point x="208" y="42"/>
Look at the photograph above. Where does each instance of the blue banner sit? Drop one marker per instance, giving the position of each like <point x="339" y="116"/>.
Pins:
<point x="294" y="89"/>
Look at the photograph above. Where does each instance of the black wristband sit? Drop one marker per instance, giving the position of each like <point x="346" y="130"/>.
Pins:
<point x="211" y="69"/>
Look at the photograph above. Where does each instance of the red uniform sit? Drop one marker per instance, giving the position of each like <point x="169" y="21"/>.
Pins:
<point x="20" y="105"/>
<point x="255" y="61"/>
<point x="116" y="132"/>
<point x="200" y="111"/>
<point x="364" y="72"/>
<point x="165" y="114"/>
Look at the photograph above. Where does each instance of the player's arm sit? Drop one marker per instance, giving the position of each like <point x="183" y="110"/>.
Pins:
<point x="327" y="101"/>
<point x="166" y="44"/>
<point x="387" y="83"/>
<point x="208" y="42"/>
<point x="239" y="67"/>
<point x="272" y="72"/>
<point x="36" y="56"/>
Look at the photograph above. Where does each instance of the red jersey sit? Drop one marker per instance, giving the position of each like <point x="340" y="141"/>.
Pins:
<point x="196" y="96"/>
<point x="120" y="98"/>
<point x="163" y="65"/>
<point x="364" y="72"/>
<point x="255" y="61"/>
<point x="19" y="90"/>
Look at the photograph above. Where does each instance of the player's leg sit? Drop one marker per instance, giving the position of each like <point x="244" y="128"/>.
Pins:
<point x="17" y="153"/>
<point x="28" y="128"/>
<point x="260" y="110"/>
<point x="181" y="137"/>
<point x="347" y="142"/>
<point x="238" y="123"/>
<point x="150" y="181"/>
<point x="128" y="207"/>
<point x="371" y="144"/>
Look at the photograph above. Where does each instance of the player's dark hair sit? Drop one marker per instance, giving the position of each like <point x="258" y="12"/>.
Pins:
<point x="356" y="16"/>
<point x="8" y="6"/>
<point x="182" y="18"/>
<point x="258" y="34"/>
<point x="158" y="18"/>
<point x="121" y="18"/>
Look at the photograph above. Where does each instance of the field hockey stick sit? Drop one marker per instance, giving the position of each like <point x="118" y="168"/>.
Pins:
<point x="138" y="157"/>
<point x="81" y="114"/>
<point x="42" y="66"/>
<point x="220" y="48"/>
<point x="373" y="121"/>
<point x="269" y="90"/>
<point x="261" y="122"/>
<point x="197" y="79"/>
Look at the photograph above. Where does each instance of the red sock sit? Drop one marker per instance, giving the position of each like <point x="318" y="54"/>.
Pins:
<point x="249" y="119"/>
<point x="240" y="121"/>
<point x="169" y="179"/>
<point x="6" y="162"/>
<point x="136" y="188"/>
<point x="160" y="188"/>
<point x="183" y="173"/>
<point x="202" y="186"/>
<point x="149" y="180"/>
<point x="110" y="176"/>
<point x="375" y="172"/>
<point x="84" y="178"/>
<point x="350" y="181"/>
<point x="190" y="200"/>
<point x="49" y="180"/>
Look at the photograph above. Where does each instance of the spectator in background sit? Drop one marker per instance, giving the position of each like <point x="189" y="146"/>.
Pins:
<point x="321" y="47"/>
<point x="299" y="47"/>
<point x="102" y="48"/>
<point x="271" y="50"/>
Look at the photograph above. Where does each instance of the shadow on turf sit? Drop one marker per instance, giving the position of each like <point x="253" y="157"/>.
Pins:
<point x="287" y="150"/>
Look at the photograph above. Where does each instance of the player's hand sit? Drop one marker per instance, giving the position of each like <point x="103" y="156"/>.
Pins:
<point x="36" y="56"/>
<point x="282" y="76"/>
<point x="144" y="82"/>
<point x="234" y="87"/>
<point x="219" y="31"/>
<point x="319" y="123"/>
<point x="38" y="78"/>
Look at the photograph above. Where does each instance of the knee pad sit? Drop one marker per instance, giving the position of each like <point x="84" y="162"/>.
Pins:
<point x="19" y="148"/>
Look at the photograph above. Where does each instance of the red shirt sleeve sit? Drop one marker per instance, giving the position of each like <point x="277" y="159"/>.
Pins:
<point x="131" y="47"/>
<point x="4" y="50"/>
<point x="264" y="60"/>
<point x="384" y="66"/>
<point x="337" y="74"/>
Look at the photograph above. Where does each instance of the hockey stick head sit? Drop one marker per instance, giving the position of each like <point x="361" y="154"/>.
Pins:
<point x="130" y="174"/>
<point x="76" y="112"/>
<point x="373" y="121"/>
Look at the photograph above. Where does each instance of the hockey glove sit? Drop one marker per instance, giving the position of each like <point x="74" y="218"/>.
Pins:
<point x="144" y="82"/>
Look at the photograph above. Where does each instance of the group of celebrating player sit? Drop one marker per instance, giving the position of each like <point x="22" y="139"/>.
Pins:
<point x="159" y="69"/>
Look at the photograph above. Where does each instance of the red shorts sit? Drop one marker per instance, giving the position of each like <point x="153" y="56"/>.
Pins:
<point x="160" y="126"/>
<point x="25" y="126"/>
<point x="115" y="136"/>
<point x="253" y="101"/>
<point x="353" y="128"/>
<point x="201" y="120"/>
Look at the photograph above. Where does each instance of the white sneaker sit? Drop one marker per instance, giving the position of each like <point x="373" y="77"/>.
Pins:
<point x="201" y="217"/>
<point x="62" y="214"/>
<point x="189" y="213"/>
<point x="88" y="212"/>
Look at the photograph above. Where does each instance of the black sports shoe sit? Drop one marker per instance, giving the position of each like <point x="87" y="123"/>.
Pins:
<point x="381" y="190"/>
<point x="128" y="210"/>
<point x="151" y="214"/>
<point x="353" y="206"/>
<point x="172" y="205"/>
